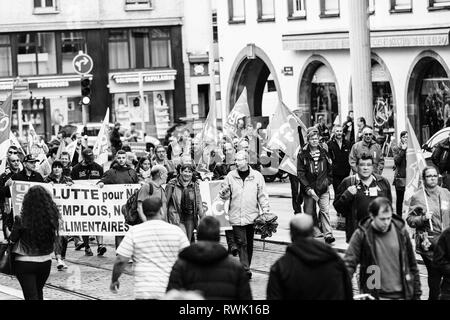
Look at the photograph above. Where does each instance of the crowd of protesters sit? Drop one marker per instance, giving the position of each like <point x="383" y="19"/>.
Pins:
<point x="176" y="247"/>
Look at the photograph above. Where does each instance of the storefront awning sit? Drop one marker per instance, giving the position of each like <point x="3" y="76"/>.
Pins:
<point x="378" y="39"/>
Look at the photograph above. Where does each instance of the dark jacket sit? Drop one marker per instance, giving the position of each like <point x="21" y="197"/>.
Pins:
<point x="27" y="246"/>
<point x="22" y="176"/>
<point x="339" y="157"/>
<point x="310" y="270"/>
<point x="400" y="166"/>
<point x="441" y="259"/>
<point x="174" y="191"/>
<point x="120" y="175"/>
<point x="114" y="138"/>
<point x="4" y="191"/>
<point x="354" y="206"/>
<point x="206" y="266"/>
<point x="441" y="156"/>
<point x="64" y="179"/>
<point x="361" y="250"/>
<point x="309" y="179"/>
<point x="84" y="171"/>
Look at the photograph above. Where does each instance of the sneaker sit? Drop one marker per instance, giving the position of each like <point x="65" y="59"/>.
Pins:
<point x="79" y="246"/>
<point x="61" y="265"/>
<point x="101" y="250"/>
<point x="330" y="239"/>
<point x="88" y="252"/>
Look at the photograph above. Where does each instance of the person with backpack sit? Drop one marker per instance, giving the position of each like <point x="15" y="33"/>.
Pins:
<point x="119" y="173"/>
<point x="154" y="189"/>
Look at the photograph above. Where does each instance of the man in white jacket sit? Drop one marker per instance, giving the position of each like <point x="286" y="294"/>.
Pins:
<point x="246" y="190"/>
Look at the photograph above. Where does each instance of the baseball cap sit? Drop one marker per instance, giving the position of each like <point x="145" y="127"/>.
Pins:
<point x="30" y="158"/>
<point x="88" y="152"/>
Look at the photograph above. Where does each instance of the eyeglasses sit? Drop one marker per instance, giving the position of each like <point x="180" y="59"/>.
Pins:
<point x="432" y="176"/>
<point x="15" y="160"/>
<point x="368" y="134"/>
<point x="12" y="152"/>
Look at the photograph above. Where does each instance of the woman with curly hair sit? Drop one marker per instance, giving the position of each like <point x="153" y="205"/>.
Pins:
<point x="184" y="202"/>
<point x="34" y="235"/>
<point x="143" y="169"/>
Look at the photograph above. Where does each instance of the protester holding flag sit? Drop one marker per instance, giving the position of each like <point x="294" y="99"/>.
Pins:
<point x="429" y="213"/>
<point x="316" y="178"/>
<point x="5" y="207"/>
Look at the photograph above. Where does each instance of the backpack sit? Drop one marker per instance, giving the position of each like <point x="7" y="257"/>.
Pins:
<point x="129" y="209"/>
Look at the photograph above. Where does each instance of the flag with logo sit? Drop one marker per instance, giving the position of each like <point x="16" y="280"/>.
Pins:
<point x="282" y="133"/>
<point x="101" y="144"/>
<point x="415" y="164"/>
<point x="240" y="110"/>
<point x="5" y="125"/>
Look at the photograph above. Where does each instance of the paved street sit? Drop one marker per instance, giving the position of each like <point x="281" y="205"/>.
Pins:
<point x="89" y="277"/>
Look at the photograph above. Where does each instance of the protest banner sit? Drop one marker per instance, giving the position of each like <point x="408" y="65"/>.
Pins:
<point x="85" y="210"/>
<point x="213" y="205"/>
<point x="139" y="148"/>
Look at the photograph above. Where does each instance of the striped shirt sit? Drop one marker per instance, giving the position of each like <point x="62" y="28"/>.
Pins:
<point x="315" y="155"/>
<point x="154" y="246"/>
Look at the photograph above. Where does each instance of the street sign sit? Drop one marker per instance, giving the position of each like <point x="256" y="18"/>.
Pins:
<point x="82" y="63"/>
<point x="21" y="89"/>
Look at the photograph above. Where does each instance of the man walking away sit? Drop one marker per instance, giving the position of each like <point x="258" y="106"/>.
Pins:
<point x="383" y="249"/>
<point x="154" y="189"/>
<point x="309" y="270"/>
<point x="154" y="246"/>
<point x="205" y="266"/>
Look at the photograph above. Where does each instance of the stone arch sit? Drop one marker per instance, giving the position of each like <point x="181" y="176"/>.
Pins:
<point x="312" y="64"/>
<point x="416" y="73"/>
<point x="251" y="68"/>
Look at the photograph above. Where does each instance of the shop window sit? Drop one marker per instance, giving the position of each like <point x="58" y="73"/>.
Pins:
<point x="323" y="96"/>
<point x="45" y="6"/>
<point x="139" y="49"/>
<point x="138" y="5"/>
<point x="401" y="6"/>
<point x="5" y="56"/>
<point x="36" y="53"/>
<point x="266" y="10"/>
<point x="438" y="4"/>
<point x="329" y="8"/>
<point x="434" y="101"/>
<point x="118" y="50"/>
<point x="71" y="44"/>
<point x="236" y="11"/>
<point x="296" y="9"/>
<point x="160" y="48"/>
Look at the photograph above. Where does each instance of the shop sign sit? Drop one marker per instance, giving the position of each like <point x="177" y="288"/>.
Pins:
<point x="150" y="78"/>
<point x="53" y="84"/>
<point x="21" y="89"/>
<point x="288" y="71"/>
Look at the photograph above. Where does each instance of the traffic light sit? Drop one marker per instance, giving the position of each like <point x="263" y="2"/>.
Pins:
<point x="85" y="91"/>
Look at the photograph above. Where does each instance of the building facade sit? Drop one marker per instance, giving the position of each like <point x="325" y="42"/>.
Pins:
<point x="303" y="47"/>
<point x="146" y="67"/>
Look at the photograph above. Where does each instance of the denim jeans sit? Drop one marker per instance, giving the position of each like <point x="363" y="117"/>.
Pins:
<point x="243" y="237"/>
<point x="188" y="227"/>
<point x="309" y="207"/>
<point x="296" y="194"/>
<point x="61" y="246"/>
<point x="434" y="278"/>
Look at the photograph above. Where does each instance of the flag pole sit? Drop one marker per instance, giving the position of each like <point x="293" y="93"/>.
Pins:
<point x="427" y="206"/>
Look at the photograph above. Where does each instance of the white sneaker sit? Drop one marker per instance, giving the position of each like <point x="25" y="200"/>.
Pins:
<point x="61" y="265"/>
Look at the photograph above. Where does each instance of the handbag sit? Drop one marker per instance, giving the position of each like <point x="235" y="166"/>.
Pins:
<point x="6" y="258"/>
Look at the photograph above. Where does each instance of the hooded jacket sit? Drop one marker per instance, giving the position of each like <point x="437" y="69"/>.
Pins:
<point x="400" y="163"/>
<point x="206" y="266"/>
<point x="174" y="192"/>
<point x="361" y="250"/>
<point x="120" y="175"/>
<point x="310" y="270"/>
